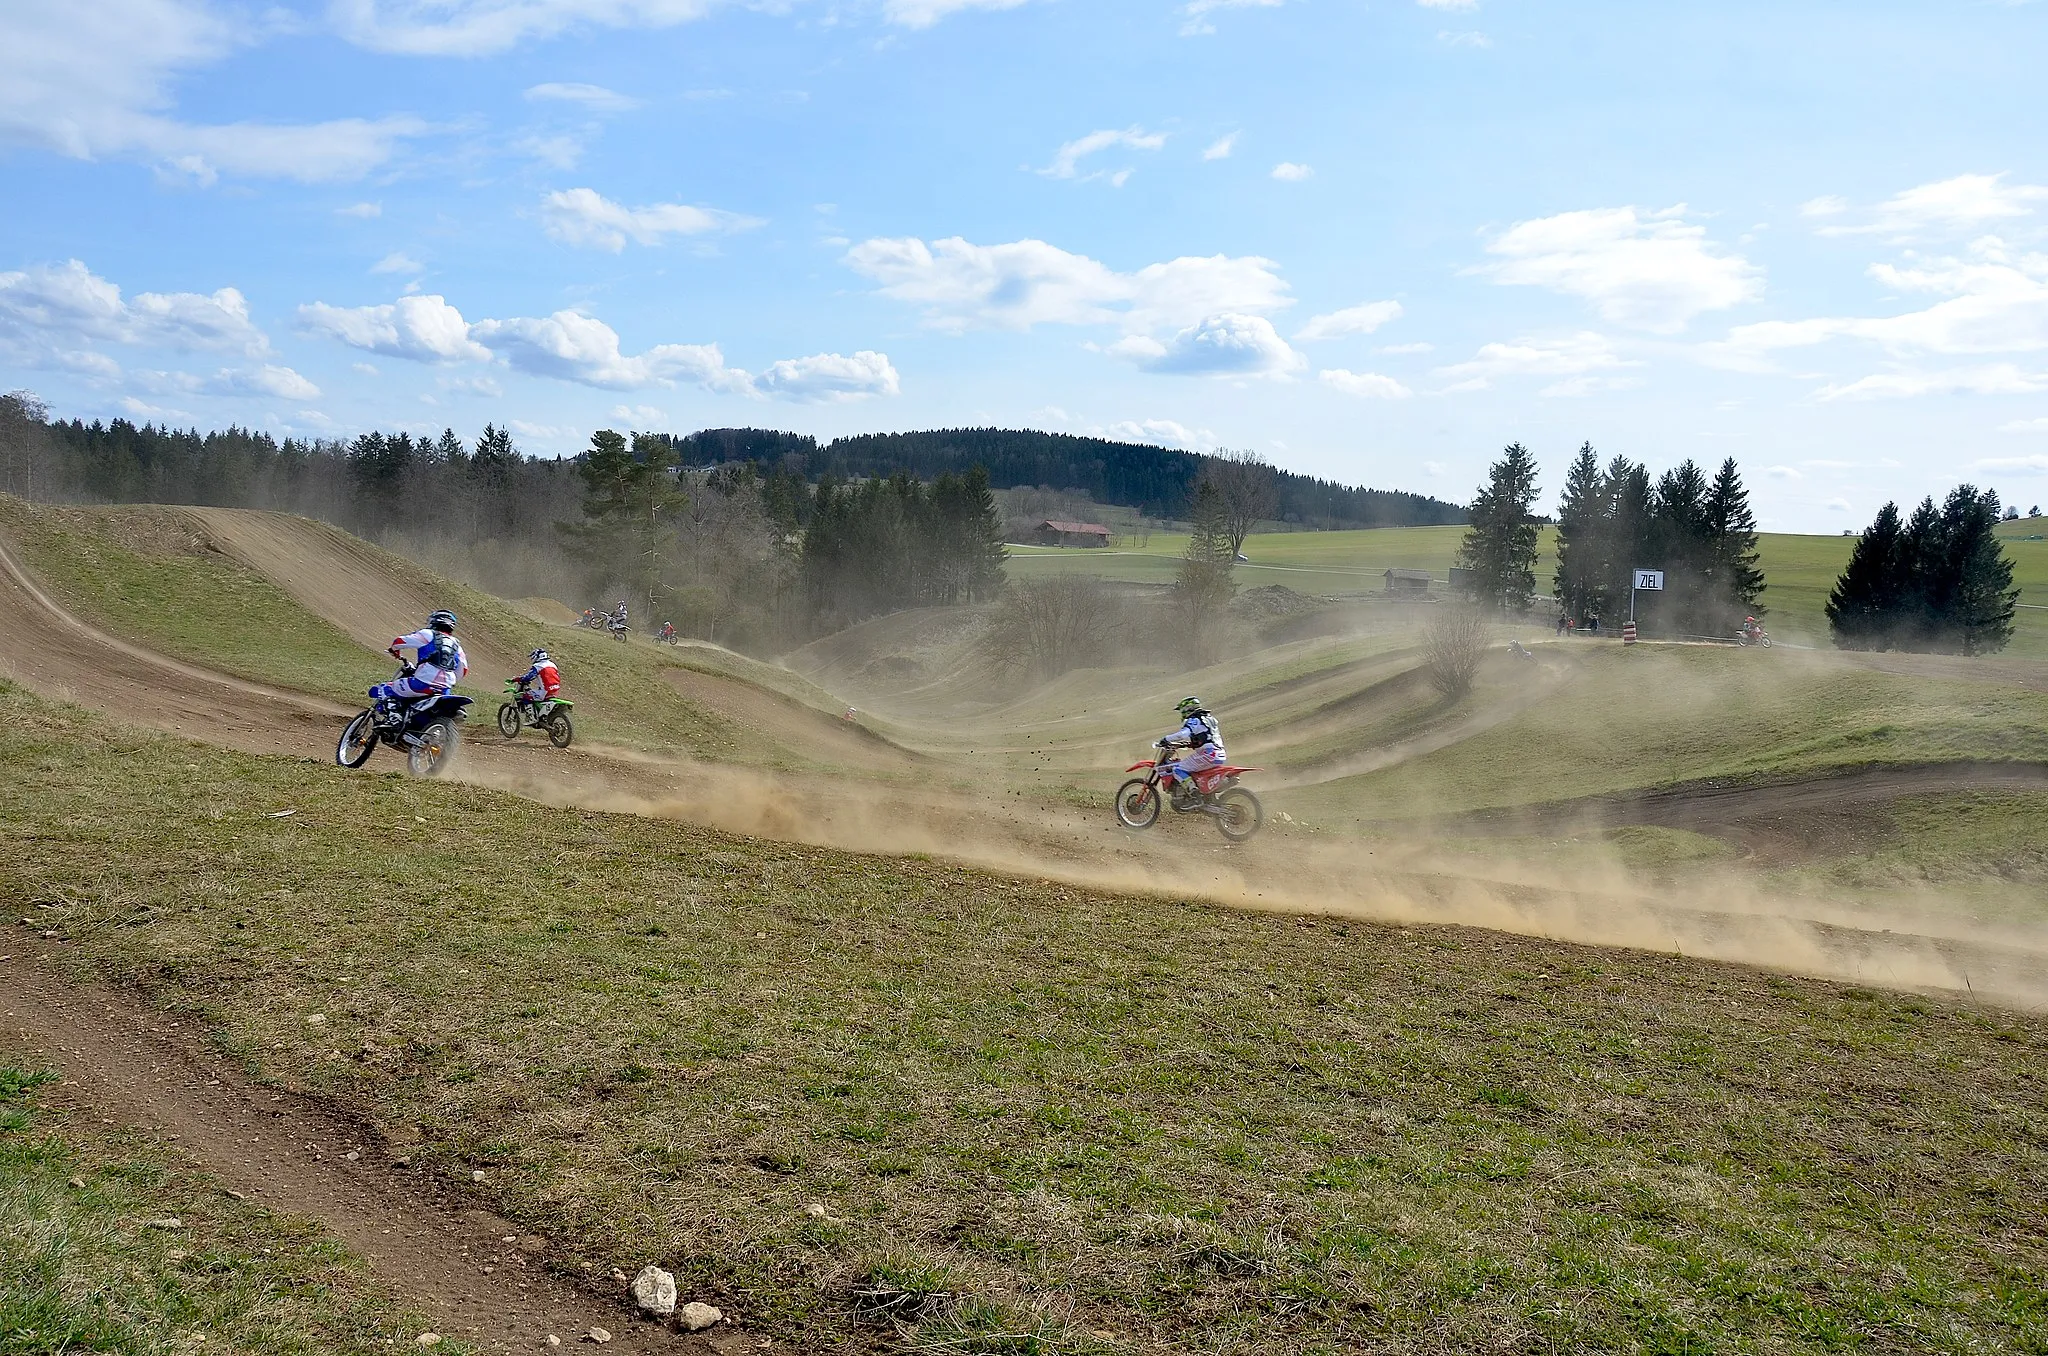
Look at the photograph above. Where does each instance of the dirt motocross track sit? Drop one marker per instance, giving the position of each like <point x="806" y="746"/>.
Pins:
<point x="54" y="653"/>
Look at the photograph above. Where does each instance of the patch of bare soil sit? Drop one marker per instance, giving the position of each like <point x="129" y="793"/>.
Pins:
<point x="484" y="1279"/>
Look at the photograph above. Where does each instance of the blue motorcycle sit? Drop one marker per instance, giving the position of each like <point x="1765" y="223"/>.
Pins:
<point x="426" y="731"/>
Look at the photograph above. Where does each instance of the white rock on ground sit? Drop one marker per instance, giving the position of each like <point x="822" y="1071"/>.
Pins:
<point x="654" y="1290"/>
<point x="697" y="1316"/>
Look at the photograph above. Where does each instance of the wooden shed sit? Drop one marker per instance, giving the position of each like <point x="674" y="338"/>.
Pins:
<point x="1053" y="532"/>
<point x="1408" y="583"/>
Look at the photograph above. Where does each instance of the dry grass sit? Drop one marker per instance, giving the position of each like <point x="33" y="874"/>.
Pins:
<point x="1059" y="1120"/>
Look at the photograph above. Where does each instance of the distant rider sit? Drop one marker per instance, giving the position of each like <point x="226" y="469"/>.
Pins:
<point x="668" y="632"/>
<point x="438" y="663"/>
<point x="541" y="682"/>
<point x="1200" y="735"/>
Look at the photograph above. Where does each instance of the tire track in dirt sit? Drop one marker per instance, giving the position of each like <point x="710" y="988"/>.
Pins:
<point x="125" y="1061"/>
<point x="52" y="652"/>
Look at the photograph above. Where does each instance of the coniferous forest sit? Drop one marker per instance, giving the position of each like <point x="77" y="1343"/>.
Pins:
<point x="1938" y="581"/>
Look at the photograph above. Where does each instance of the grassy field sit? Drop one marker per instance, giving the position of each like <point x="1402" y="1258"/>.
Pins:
<point x="80" y="1271"/>
<point x="1800" y="570"/>
<point x="1042" y="1119"/>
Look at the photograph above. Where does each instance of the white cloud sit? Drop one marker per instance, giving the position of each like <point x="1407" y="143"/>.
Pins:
<point x="1287" y="172"/>
<point x="1958" y="206"/>
<point x="1221" y="147"/>
<point x="1469" y="39"/>
<point x="270" y="379"/>
<point x="53" y="315"/>
<point x="581" y="216"/>
<point x="560" y="151"/>
<point x="573" y="346"/>
<point x="830" y="377"/>
<point x="2024" y="426"/>
<point x="398" y="262"/>
<point x="1572" y="388"/>
<point x="424" y="328"/>
<point x="595" y="98"/>
<point x="925" y="13"/>
<point x="1567" y="356"/>
<point x="92" y="81"/>
<point x="963" y="286"/>
<point x="1195" y="21"/>
<point x="1160" y="432"/>
<point x="1371" y="385"/>
<point x="1223" y="345"/>
<point x="1349" y="321"/>
<point x="1066" y="161"/>
<point x="362" y="211"/>
<point x="2016" y="464"/>
<point x="1993" y="379"/>
<point x="1649" y="271"/>
<point x="367" y="369"/>
<point x="1996" y="302"/>
<point x="641" y="416"/>
<point x="1784" y="472"/>
<point x="158" y="414"/>
<point x="486" y="27"/>
<point x="471" y="386"/>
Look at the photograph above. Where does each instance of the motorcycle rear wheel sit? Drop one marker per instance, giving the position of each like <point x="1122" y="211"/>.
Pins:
<point x="1137" y="804"/>
<point x="1241" y="814"/>
<point x="357" y="742"/>
<point x="508" y="720"/>
<point x="436" y="749"/>
<point x="560" y="731"/>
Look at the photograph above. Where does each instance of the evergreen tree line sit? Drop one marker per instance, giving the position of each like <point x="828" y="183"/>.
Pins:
<point x="1700" y="532"/>
<point x="734" y="555"/>
<point x="1157" y="481"/>
<point x="1938" y="581"/>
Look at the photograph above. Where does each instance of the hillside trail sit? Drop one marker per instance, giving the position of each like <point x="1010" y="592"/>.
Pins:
<point x="478" y="1277"/>
<point x="338" y="577"/>
<point x="954" y="813"/>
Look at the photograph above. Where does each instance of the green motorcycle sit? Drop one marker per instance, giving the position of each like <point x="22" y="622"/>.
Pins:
<point x="549" y="713"/>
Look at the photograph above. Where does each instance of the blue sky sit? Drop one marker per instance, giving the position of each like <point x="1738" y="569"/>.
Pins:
<point x="1374" y="241"/>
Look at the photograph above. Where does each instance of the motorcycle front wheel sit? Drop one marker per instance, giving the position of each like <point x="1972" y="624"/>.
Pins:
<point x="1241" y="814"/>
<point x="436" y="749"/>
<point x="357" y="742"/>
<point x="560" y="731"/>
<point x="508" y="721"/>
<point x="1767" y="642"/>
<point x="1137" y="804"/>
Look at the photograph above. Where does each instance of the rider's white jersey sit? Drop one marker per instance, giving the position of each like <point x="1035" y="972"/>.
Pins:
<point x="430" y="674"/>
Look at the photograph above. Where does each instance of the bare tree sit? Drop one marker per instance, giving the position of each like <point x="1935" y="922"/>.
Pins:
<point x="1249" y="489"/>
<point x="1045" y="627"/>
<point x="1453" y="643"/>
<point x="24" y="444"/>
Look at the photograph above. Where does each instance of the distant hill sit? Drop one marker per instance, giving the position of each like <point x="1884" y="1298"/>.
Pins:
<point x="1154" y="480"/>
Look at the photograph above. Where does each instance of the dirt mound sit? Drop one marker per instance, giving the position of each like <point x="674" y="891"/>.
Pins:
<point x="788" y="723"/>
<point x="52" y="652"/>
<point x="549" y="610"/>
<point x="367" y="592"/>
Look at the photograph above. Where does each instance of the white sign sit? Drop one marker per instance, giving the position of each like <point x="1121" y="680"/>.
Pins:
<point x="1650" y="579"/>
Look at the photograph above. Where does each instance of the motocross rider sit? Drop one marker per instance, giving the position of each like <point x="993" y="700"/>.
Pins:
<point x="1200" y="735"/>
<point x="438" y="663"/>
<point x="541" y="682"/>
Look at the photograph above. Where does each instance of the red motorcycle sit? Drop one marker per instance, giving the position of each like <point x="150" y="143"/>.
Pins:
<point x="1212" y="792"/>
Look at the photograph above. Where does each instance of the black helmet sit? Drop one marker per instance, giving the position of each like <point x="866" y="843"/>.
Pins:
<point x="538" y="656"/>
<point x="444" y="620"/>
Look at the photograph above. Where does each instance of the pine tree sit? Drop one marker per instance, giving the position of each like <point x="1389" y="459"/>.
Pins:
<point x="1583" y="516"/>
<point x="1737" y="585"/>
<point x="1864" y="607"/>
<point x="1627" y="542"/>
<point x="629" y="510"/>
<point x="1980" y="597"/>
<point x="1500" y="548"/>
